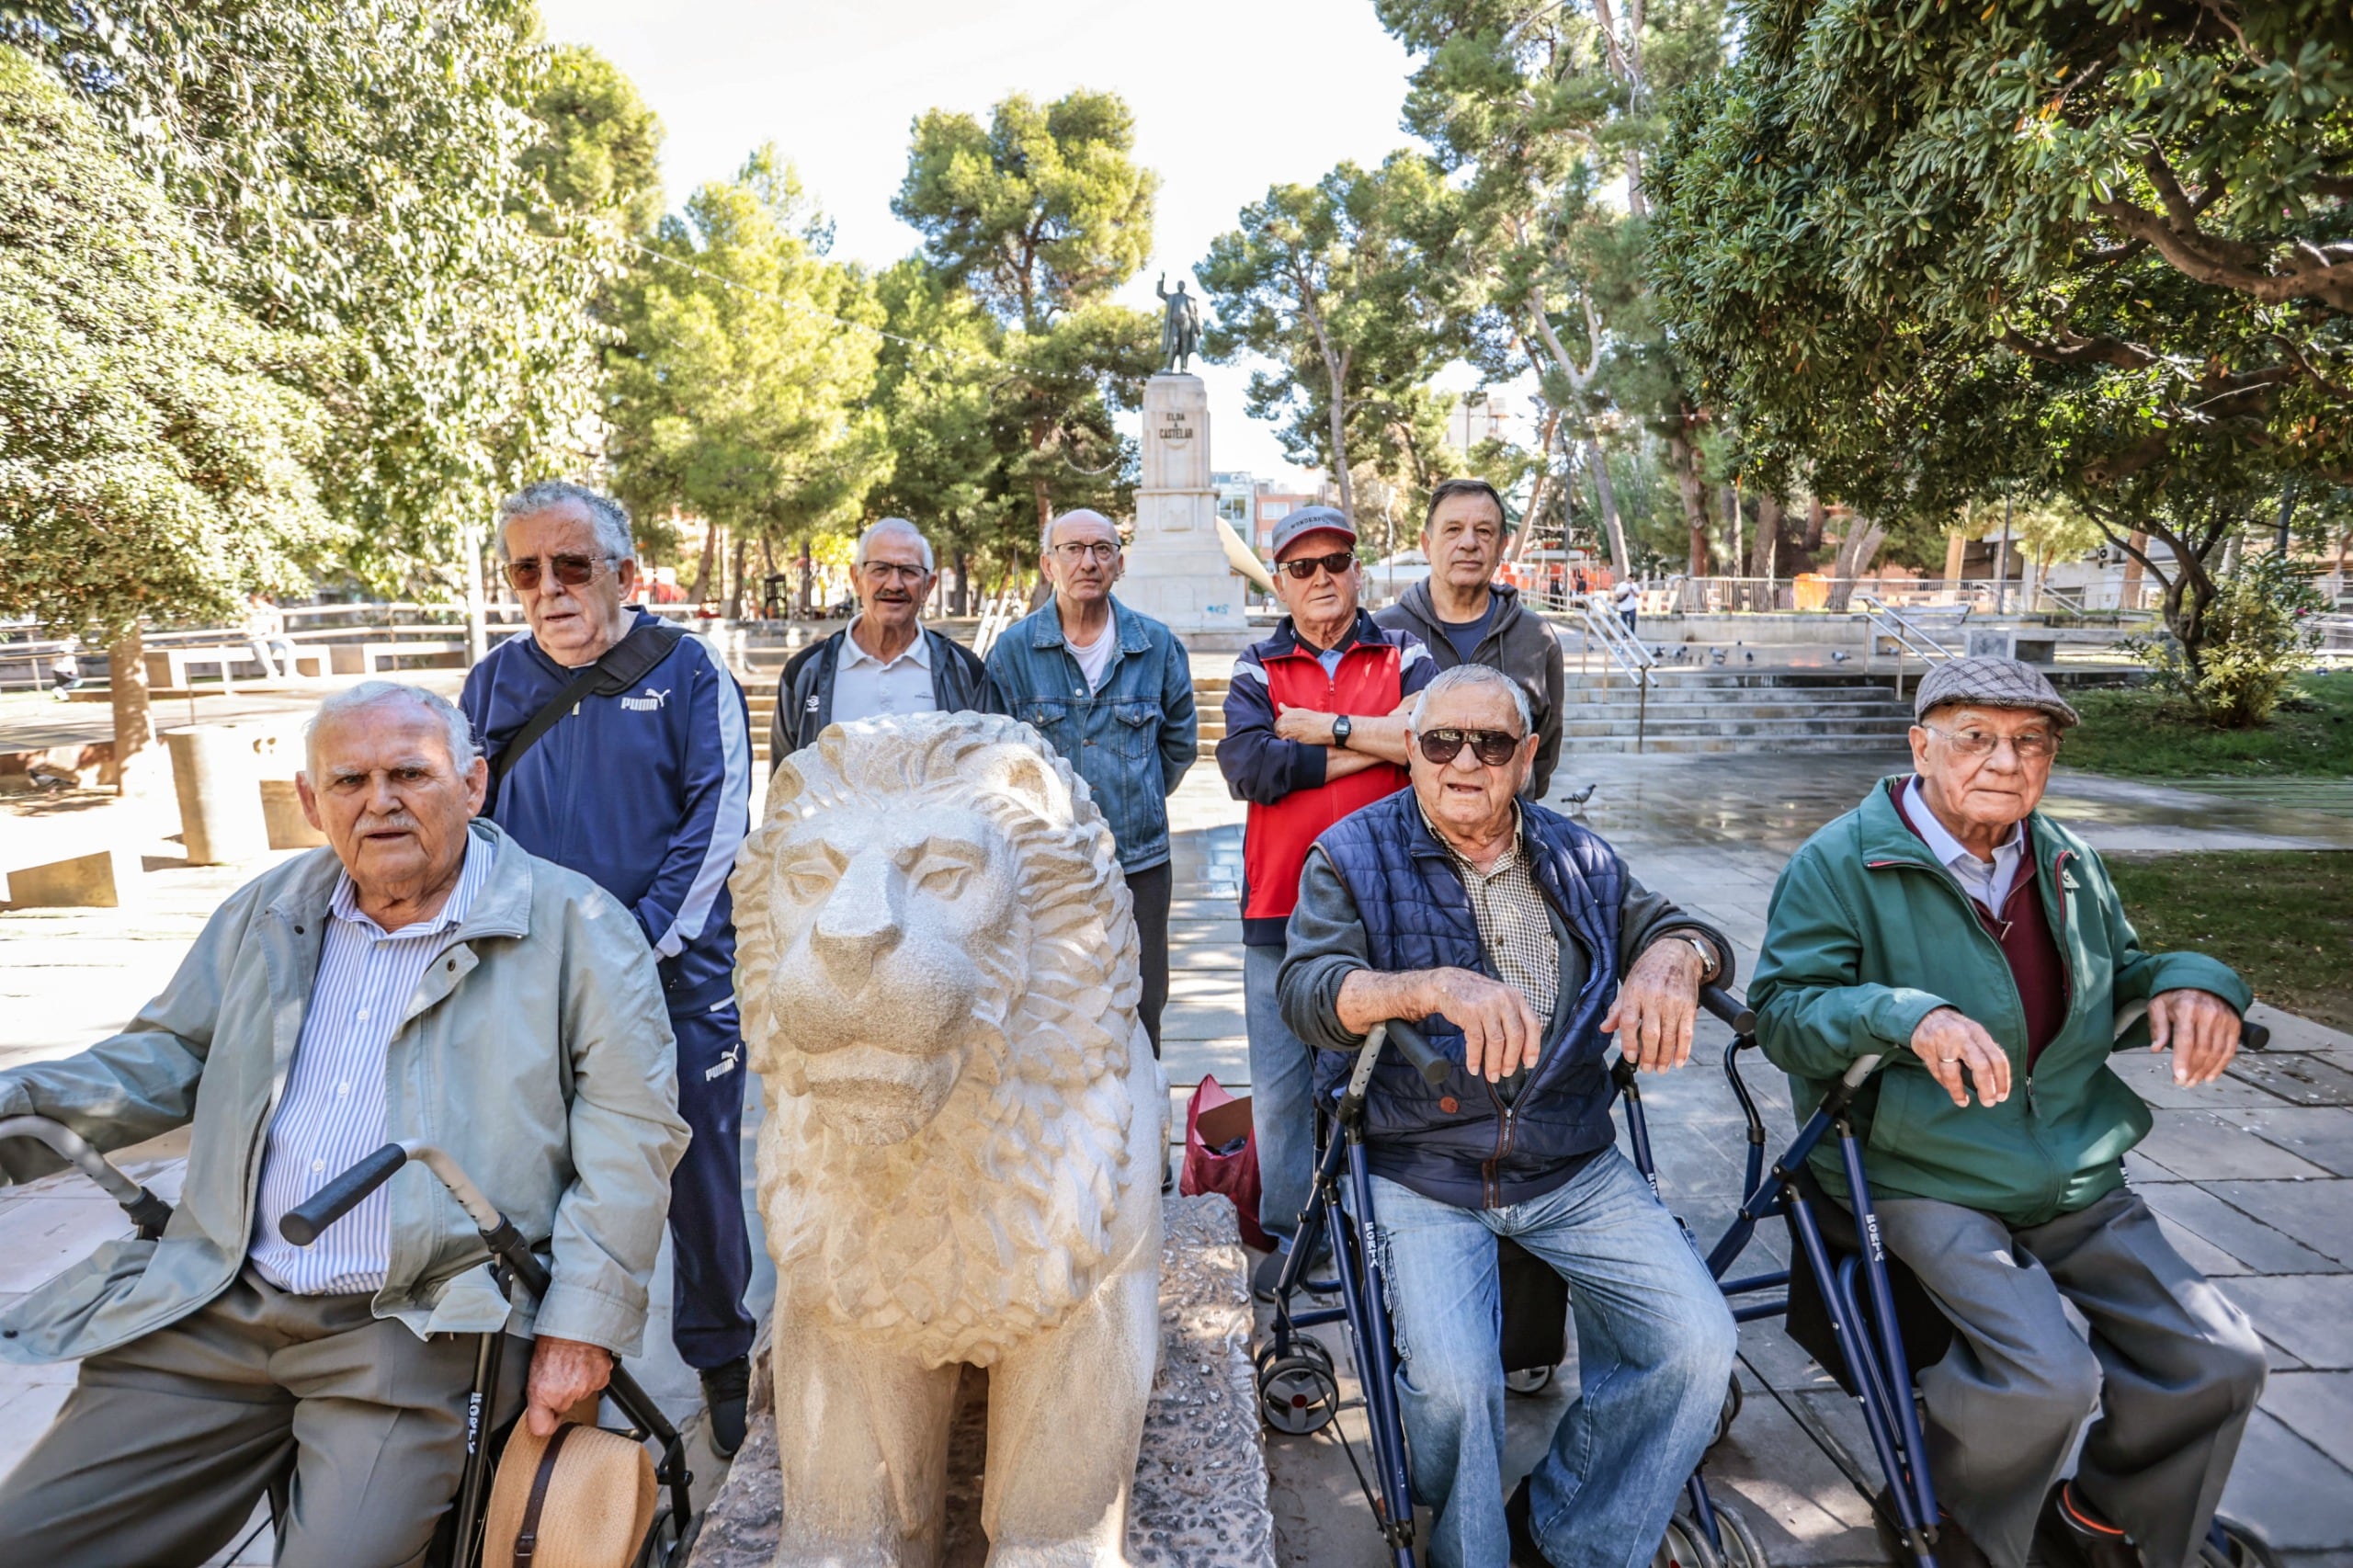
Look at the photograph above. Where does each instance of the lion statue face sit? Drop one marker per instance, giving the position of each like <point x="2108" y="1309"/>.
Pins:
<point x="878" y="997"/>
<point x="936" y="962"/>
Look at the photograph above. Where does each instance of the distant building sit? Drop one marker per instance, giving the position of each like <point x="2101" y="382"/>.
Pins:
<point x="1481" y="415"/>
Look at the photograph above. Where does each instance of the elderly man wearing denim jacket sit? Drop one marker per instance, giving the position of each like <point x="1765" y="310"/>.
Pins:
<point x="422" y="978"/>
<point x="1113" y="690"/>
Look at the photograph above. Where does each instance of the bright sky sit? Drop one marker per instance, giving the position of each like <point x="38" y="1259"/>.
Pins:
<point x="1230" y="97"/>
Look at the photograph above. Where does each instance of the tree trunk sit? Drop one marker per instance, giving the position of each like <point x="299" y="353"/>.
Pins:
<point x="1536" y="491"/>
<point x="1339" y="420"/>
<point x="807" y="579"/>
<point x="709" y="557"/>
<point x="961" y="602"/>
<point x="1816" y="515"/>
<point x="1622" y="564"/>
<point x="1768" y="539"/>
<point x="1695" y="500"/>
<point x="735" y="581"/>
<point x="134" y="726"/>
<point x="1739" y="555"/>
<point x="1858" y="547"/>
<point x="2129" y="596"/>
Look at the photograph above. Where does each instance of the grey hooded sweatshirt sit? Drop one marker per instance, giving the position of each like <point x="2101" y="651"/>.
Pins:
<point x="1518" y="642"/>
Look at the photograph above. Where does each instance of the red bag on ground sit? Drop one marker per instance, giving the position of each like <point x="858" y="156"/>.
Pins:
<point x="1214" y="1120"/>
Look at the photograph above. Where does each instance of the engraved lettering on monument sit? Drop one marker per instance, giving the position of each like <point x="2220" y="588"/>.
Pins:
<point x="961" y="1160"/>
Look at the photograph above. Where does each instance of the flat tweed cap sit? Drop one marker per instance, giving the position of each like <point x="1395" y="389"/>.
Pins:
<point x="1990" y="682"/>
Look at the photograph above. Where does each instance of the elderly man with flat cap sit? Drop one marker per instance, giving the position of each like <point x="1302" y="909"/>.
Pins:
<point x="1980" y="948"/>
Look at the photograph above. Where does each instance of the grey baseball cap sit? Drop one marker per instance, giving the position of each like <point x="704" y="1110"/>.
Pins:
<point x="1308" y="520"/>
<point x="1989" y="682"/>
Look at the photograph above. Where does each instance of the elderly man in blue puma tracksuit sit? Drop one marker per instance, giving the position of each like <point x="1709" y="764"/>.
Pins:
<point x="646" y="789"/>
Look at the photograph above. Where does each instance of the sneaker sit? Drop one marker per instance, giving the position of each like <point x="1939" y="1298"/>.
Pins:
<point x="2071" y="1533"/>
<point x="1518" y="1518"/>
<point x="727" y="1395"/>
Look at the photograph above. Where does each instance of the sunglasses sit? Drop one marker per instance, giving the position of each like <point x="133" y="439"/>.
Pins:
<point x="1494" y="747"/>
<point x="569" y="570"/>
<point x="1306" y="566"/>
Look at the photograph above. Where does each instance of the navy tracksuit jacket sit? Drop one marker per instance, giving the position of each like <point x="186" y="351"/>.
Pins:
<point x="648" y="794"/>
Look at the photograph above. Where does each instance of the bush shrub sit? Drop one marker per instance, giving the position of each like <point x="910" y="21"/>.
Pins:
<point x="2259" y="634"/>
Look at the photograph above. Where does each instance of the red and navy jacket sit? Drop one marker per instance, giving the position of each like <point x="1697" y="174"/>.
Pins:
<point x="1284" y="780"/>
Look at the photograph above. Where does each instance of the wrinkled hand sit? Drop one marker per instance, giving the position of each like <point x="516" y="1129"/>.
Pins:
<point x="564" y="1372"/>
<point x="1656" y="1006"/>
<point x="1500" y="1033"/>
<point x="1305" y="725"/>
<point x="1957" y="1052"/>
<point x="2202" y="1029"/>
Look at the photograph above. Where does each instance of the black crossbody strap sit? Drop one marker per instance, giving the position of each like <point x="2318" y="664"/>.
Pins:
<point x="624" y="663"/>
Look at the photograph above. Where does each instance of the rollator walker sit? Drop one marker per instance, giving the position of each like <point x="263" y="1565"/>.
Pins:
<point x="457" y="1542"/>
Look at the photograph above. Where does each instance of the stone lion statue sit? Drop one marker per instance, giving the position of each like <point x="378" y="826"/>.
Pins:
<point x="960" y="1164"/>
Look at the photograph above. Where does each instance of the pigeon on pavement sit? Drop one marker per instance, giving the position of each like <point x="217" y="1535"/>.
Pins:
<point x="1576" y="801"/>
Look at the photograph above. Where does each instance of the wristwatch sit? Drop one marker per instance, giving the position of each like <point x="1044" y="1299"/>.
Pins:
<point x="1341" y="726"/>
<point x="1706" y="955"/>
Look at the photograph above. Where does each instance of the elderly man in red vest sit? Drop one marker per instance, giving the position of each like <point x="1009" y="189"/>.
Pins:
<point x="1315" y="728"/>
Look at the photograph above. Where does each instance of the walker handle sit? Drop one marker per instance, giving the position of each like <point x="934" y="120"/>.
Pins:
<point x="1409" y="1039"/>
<point x="1723" y="1005"/>
<point x="304" y="1222"/>
<point x="148" y="1213"/>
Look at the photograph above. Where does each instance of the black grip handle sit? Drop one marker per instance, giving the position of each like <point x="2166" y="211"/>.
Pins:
<point x="1723" y="1005"/>
<point x="304" y="1222"/>
<point x="1409" y="1039"/>
<point x="2254" y="1036"/>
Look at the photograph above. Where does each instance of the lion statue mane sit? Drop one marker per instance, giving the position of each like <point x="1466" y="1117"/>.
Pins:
<point x="937" y="968"/>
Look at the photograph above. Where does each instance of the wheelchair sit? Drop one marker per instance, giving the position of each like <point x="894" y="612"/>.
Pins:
<point x="1299" y="1390"/>
<point x="456" y="1542"/>
<point x="1859" y="1312"/>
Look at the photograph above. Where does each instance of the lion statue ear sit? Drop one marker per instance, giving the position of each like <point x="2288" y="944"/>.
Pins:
<point x="1024" y="775"/>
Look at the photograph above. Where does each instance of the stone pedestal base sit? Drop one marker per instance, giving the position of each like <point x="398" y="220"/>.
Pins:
<point x="1200" y="1499"/>
<point x="1176" y="570"/>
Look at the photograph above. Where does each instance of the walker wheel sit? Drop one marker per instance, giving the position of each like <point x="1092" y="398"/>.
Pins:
<point x="1529" y="1381"/>
<point x="1684" y="1546"/>
<point x="1298" y="1394"/>
<point x="1730" y="1413"/>
<point x="1740" y="1547"/>
<point x="1302" y="1343"/>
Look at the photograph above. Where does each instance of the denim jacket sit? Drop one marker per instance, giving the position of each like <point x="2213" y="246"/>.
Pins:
<point x="1131" y="741"/>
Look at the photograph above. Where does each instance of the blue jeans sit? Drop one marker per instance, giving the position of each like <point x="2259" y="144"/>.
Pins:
<point x="1655" y="1352"/>
<point x="1282" y="1098"/>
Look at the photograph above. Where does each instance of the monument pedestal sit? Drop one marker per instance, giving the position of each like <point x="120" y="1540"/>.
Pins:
<point x="1176" y="569"/>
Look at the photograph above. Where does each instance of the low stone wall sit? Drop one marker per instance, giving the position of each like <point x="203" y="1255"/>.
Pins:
<point x="1200" y="1499"/>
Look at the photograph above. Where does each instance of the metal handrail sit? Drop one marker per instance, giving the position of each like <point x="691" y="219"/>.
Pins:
<point x="1909" y="636"/>
<point x="1626" y="651"/>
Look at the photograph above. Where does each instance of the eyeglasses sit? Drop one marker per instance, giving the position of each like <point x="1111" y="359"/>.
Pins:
<point x="1087" y="550"/>
<point x="2035" y="745"/>
<point x="1306" y="566"/>
<point x="569" y="570"/>
<point x="891" y="572"/>
<point x="1494" y="747"/>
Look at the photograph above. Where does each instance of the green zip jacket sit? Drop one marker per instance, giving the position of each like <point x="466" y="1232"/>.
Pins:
<point x="1867" y="935"/>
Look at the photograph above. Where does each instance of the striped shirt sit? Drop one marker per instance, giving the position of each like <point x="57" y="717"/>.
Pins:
<point x="1514" y="927"/>
<point x="332" y="1113"/>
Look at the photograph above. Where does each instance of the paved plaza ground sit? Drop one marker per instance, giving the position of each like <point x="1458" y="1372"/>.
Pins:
<point x="2253" y="1177"/>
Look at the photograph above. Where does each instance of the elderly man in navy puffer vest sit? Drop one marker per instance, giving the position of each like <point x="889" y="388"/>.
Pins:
<point x="1522" y="943"/>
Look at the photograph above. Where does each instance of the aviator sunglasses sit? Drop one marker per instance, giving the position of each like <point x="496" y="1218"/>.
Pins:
<point x="1338" y="562"/>
<point x="569" y="570"/>
<point x="1492" y="747"/>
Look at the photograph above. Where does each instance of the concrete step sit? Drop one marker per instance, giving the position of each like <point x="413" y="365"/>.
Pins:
<point x="1889" y="730"/>
<point x="1675" y="744"/>
<point x="1628" y="712"/>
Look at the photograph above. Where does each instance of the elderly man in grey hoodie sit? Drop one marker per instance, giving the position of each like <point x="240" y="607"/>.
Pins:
<point x="1466" y="617"/>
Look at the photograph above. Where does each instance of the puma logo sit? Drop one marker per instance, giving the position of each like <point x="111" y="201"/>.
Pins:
<point x="648" y="703"/>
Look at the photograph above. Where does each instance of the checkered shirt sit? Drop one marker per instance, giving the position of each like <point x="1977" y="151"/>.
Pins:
<point x="1514" y="929"/>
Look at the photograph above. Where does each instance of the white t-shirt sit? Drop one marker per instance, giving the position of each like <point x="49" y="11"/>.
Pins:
<point x="1094" y="659"/>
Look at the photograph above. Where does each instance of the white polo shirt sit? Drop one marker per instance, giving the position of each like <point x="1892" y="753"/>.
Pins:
<point x="867" y="687"/>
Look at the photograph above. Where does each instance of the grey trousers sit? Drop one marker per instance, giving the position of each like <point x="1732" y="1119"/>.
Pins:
<point x="164" y="1446"/>
<point x="2171" y="1372"/>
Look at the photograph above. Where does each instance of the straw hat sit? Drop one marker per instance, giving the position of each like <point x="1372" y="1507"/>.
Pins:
<point x="589" y="1493"/>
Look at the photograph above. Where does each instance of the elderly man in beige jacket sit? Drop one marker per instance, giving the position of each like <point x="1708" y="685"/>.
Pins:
<point x="421" y="978"/>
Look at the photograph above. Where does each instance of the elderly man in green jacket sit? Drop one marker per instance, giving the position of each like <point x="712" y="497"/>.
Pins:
<point x="1981" y="948"/>
<point x="420" y="978"/>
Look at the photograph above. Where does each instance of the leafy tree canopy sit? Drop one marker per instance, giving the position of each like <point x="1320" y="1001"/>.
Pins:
<point x="152" y="450"/>
<point x="739" y="388"/>
<point x="358" y="170"/>
<point x="1042" y="214"/>
<point x="2101" y="250"/>
<point x="601" y="148"/>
